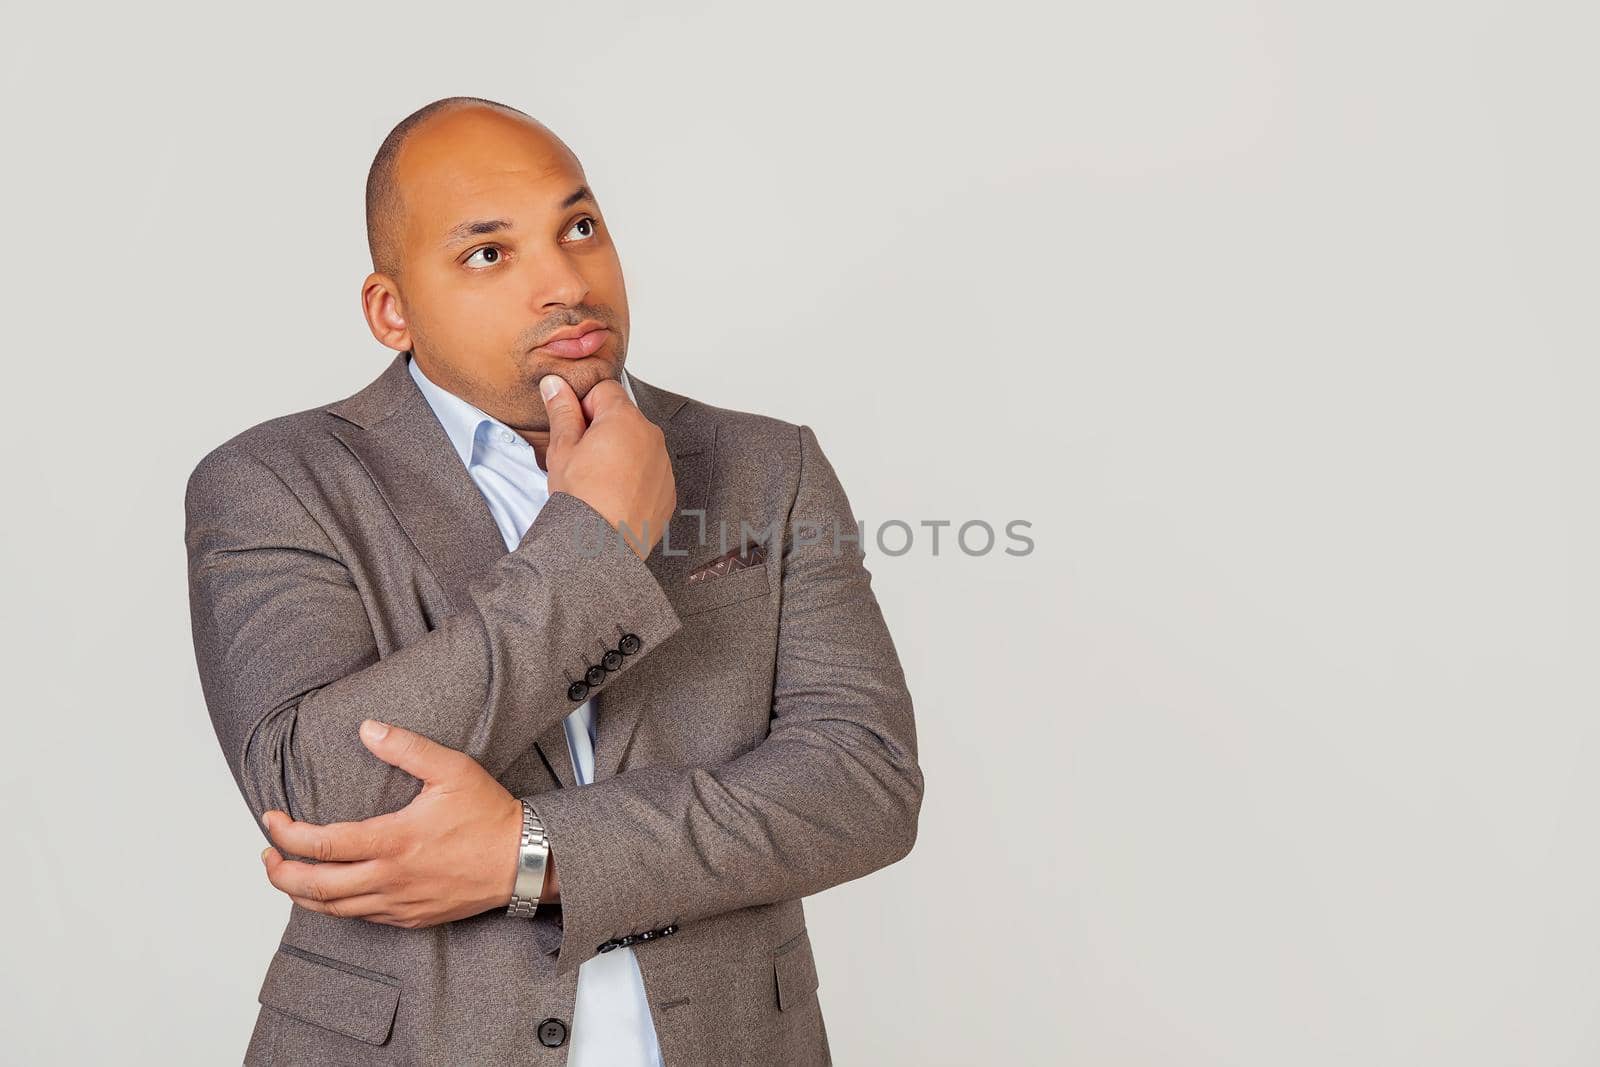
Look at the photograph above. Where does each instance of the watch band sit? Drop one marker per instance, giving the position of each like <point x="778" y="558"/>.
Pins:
<point x="533" y="853"/>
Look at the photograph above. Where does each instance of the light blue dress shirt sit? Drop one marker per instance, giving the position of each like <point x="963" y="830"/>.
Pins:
<point x="611" y="1025"/>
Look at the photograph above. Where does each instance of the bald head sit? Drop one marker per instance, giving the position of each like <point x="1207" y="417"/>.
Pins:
<point x="385" y="182"/>
<point x="487" y="241"/>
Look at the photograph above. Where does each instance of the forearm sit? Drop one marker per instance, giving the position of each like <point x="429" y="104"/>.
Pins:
<point x="290" y="667"/>
<point x="822" y="801"/>
<point x="490" y="680"/>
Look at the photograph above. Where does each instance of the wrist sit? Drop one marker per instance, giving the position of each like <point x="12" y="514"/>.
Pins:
<point x="533" y="854"/>
<point x="512" y="831"/>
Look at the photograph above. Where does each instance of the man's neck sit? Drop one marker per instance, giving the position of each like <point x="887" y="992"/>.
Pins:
<point x="540" y="440"/>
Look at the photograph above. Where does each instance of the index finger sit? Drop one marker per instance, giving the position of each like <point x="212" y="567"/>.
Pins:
<point x="324" y="881"/>
<point x="367" y="839"/>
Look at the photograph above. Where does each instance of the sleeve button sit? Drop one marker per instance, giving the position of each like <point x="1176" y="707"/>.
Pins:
<point x="577" y="691"/>
<point x="611" y="660"/>
<point x="629" y="644"/>
<point x="596" y="675"/>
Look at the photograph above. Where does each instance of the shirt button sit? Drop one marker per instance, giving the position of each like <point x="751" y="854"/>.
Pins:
<point x="552" y="1032"/>
<point x="505" y="435"/>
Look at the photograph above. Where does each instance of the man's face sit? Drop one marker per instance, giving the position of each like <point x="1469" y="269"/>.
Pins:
<point x="503" y="245"/>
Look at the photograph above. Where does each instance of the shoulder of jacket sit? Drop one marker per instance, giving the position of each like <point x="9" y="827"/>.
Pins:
<point x="746" y="430"/>
<point x="275" y="443"/>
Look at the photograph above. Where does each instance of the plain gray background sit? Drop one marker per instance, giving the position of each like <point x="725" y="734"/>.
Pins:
<point x="1275" y="320"/>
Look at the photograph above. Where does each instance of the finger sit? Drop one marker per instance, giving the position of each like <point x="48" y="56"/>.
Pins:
<point x="419" y="756"/>
<point x="606" y="394"/>
<point x="346" y="841"/>
<point x="566" y="416"/>
<point x="371" y="906"/>
<point x="324" y="881"/>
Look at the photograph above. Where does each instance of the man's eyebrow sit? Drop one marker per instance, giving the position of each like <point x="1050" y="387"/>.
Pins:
<point x="464" y="230"/>
<point x="478" y="227"/>
<point x="578" y="195"/>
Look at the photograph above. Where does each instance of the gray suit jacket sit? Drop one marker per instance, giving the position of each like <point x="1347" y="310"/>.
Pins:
<point x="758" y="748"/>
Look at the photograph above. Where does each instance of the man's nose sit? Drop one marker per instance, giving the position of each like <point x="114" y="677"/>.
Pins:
<point x="559" y="282"/>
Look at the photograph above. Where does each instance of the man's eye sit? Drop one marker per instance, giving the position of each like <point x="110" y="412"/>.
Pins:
<point x="586" y="220"/>
<point x="490" y="249"/>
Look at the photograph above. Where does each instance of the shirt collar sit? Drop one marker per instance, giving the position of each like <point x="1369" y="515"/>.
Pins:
<point x="461" y="419"/>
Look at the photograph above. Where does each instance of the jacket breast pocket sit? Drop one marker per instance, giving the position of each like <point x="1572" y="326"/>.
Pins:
<point x="743" y="584"/>
<point x="795" y="969"/>
<point x="332" y="994"/>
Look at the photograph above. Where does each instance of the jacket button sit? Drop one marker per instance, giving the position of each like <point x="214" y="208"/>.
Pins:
<point x="629" y="644"/>
<point x="596" y="675"/>
<point x="552" y="1032"/>
<point x="577" y="691"/>
<point x="611" y="660"/>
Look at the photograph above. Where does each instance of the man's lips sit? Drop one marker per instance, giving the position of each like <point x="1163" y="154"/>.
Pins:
<point x="586" y="344"/>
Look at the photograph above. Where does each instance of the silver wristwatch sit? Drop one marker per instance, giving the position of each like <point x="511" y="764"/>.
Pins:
<point x="532" y="856"/>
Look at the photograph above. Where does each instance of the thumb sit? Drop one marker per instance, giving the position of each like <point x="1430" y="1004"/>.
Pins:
<point x="566" y="417"/>
<point x="418" y="756"/>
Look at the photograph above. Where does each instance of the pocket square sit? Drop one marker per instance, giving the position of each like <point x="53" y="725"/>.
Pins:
<point x="747" y="555"/>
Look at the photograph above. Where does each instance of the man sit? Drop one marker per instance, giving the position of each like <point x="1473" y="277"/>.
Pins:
<point x="653" y="741"/>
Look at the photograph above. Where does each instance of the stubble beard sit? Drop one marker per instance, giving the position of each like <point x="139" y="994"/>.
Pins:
<point x="521" y="407"/>
<point x="581" y="374"/>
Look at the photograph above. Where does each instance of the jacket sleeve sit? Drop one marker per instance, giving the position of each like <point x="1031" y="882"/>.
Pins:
<point x="831" y="794"/>
<point x="289" y="665"/>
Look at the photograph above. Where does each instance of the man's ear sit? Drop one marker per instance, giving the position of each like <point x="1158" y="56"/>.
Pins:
<point x="384" y="312"/>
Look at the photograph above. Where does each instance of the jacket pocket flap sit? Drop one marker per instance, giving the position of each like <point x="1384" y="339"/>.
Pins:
<point x="796" y="970"/>
<point x="332" y="994"/>
<point x="711" y="593"/>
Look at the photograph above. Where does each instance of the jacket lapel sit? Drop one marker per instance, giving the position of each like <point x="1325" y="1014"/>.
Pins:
<point x="391" y="430"/>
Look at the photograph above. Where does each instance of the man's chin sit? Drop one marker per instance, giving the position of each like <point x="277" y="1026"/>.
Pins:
<point x="583" y="374"/>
